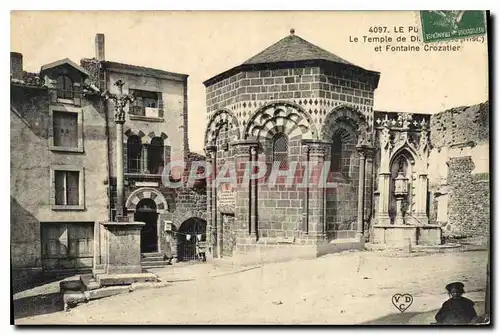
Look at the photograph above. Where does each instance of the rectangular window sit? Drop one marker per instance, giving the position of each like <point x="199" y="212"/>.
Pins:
<point x="66" y="129"/>
<point x="146" y="103"/>
<point x="65" y="126"/>
<point x="67" y="189"/>
<point x="65" y="88"/>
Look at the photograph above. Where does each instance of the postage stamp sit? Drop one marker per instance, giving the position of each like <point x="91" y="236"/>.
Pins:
<point x="440" y="25"/>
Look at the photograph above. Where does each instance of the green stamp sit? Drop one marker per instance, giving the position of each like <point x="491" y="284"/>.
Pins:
<point x="440" y="25"/>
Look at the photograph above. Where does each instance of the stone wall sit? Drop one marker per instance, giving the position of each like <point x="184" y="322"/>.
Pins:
<point x="459" y="181"/>
<point x="184" y="203"/>
<point x="280" y="206"/>
<point x="460" y="125"/>
<point x="469" y="200"/>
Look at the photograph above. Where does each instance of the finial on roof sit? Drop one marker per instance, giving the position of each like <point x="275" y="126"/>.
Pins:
<point x="292" y="31"/>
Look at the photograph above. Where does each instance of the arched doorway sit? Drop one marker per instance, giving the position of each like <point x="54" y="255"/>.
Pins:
<point x="191" y="233"/>
<point x="146" y="212"/>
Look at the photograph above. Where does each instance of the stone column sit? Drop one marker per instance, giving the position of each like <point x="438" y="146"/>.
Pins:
<point x="212" y="203"/>
<point x="144" y="160"/>
<point x="121" y="100"/>
<point x="421" y="201"/>
<point x="119" y="170"/>
<point x="246" y="209"/>
<point x="316" y="189"/>
<point x="253" y="197"/>
<point x="361" y="194"/>
<point x="384" y="174"/>
<point x="369" y="182"/>
<point x="368" y="202"/>
<point x="383" y="200"/>
<point x="305" y="207"/>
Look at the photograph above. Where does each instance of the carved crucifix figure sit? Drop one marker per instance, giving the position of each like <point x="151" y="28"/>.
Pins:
<point x="120" y="101"/>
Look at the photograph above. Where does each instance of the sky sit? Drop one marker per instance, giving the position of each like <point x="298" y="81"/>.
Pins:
<point x="203" y="44"/>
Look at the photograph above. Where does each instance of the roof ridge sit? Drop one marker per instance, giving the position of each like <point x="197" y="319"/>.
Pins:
<point x="263" y="51"/>
<point x="294" y="48"/>
<point x="324" y="50"/>
<point x="59" y="62"/>
<point x="146" y="68"/>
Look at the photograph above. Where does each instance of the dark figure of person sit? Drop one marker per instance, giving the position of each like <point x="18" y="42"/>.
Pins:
<point x="457" y="309"/>
<point x="201" y="251"/>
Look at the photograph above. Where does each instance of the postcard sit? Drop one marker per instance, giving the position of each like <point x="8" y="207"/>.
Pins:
<point x="250" y="167"/>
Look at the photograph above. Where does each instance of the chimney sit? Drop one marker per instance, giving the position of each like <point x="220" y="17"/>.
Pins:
<point x="99" y="47"/>
<point x="16" y="65"/>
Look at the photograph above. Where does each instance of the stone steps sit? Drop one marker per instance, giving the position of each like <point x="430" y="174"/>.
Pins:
<point x="81" y="289"/>
<point x="152" y="254"/>
<point x="154" y="264"/>
<point x="153" y="260"/>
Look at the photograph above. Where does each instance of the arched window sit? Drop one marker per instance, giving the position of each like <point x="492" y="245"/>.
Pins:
<point x="280" y="150"/>
<point x="65" y="87"/>
<point x="342" y="148"/>
<point x="134" y="154"/>
<point x="155" y="155"/>
<point x="336" y="154"/>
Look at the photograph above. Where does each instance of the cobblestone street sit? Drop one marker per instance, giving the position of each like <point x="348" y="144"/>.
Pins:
<point x="346" y="288"/>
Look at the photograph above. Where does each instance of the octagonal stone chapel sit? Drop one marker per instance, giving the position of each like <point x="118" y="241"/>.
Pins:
<point x="293" y="103"/>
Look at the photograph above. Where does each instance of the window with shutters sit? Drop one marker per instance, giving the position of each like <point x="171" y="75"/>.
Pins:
<point x="65" y="88"/>
<point x="280" y="150"/>
<point x="66" y="131"/>
<point x="67" y="187"/>
<point x="67" y="245"/>
<point x="66" y="91"/>
<point x="147" y="105"/>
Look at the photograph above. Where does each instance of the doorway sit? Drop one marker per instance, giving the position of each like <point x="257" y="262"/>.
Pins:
<point x="146" y="212"/>
<point x="192" y="233"/>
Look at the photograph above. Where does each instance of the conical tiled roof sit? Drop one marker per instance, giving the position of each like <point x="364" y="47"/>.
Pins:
<point x="293" y="48"/>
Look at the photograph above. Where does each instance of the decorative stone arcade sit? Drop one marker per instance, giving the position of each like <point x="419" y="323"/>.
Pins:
<point x="402" y="182"/>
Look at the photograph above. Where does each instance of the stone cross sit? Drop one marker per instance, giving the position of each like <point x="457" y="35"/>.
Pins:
<point x="120" y="100"/>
